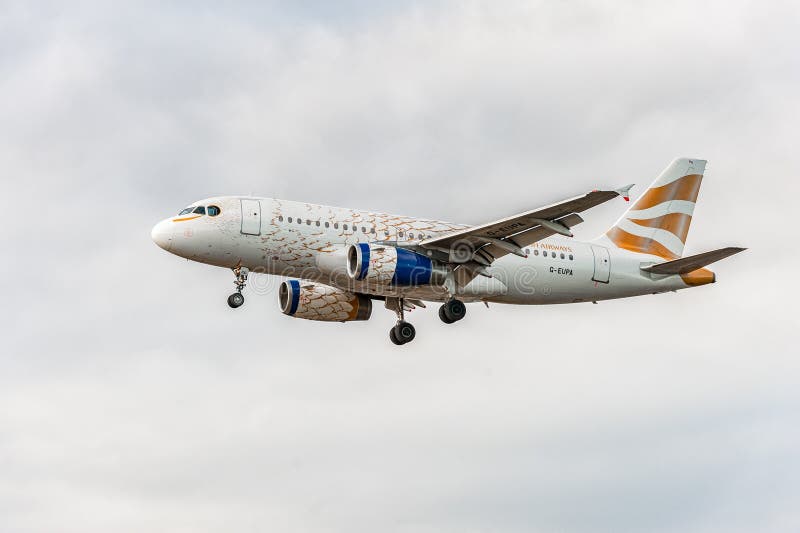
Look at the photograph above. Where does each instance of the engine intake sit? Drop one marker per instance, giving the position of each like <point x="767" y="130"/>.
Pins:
<point x="323" y="303"/>
<point x="387" y="265"/>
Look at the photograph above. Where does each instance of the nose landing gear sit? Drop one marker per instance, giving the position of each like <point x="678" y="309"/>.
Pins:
<point x="237" y="298"/>
<point x="452" y="311"/>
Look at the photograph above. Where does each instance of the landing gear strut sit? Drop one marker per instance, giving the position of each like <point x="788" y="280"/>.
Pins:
<point x="237" y="298"/>
<point x="452" y="311"/>
<point x="403" y="331"/>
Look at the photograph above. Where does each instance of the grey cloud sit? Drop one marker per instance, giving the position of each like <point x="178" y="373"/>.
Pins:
<point x="131" y="397"/>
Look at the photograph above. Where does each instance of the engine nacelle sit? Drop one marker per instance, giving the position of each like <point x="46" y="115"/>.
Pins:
<point x="386" y="265"/>
<point x="321" y="302"/>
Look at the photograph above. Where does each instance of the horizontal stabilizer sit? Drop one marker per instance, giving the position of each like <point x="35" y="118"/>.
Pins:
<point x="693" y="262"/>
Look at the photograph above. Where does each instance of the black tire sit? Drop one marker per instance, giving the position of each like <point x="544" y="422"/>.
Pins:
<point x="404" y="332"/>
<point x="394" y="337"/>
<point x="235" y="300"/>
<point x="455" y="310"/>
<point x="443" y="315"/>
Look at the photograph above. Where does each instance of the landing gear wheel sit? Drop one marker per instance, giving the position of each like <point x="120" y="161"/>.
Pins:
<point x="236" y="300"/>
<point x="452" y="311"/>
<point x="443" y="316"/>
<point x="402" y="333"/>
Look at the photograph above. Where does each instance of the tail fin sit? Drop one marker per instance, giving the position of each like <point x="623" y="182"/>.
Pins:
<point x="658" y="222"/>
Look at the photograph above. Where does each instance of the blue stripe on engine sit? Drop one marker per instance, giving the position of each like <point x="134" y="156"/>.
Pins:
<point x="412" y="269"/>
<point x="295" y="286"/>
<point x="364" y="260"/>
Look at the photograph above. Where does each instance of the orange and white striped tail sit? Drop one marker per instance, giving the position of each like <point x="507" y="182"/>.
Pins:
<point x="658" y="222"/>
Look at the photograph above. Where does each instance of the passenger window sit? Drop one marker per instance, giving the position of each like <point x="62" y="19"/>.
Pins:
<point x="317" y="223"/>
<point x="570" y="257"/>
<point x="553" y="254"/>
<point x="212" y="210"/>
<point x="536" y="252"/>
<point x="299" y="220"/>
<point x="335" y="225"/>
<point x="400" y="234"/>
<point x="562" y="255"/>
<point x="372" y="230"/>
<point x="290" y="220"/>
<point x="363" y="229"/>
<point x="200" y="210"/>
<point x="280" y="219"/>
<point x="410" y="235"/>
<point x="344" y="226"/>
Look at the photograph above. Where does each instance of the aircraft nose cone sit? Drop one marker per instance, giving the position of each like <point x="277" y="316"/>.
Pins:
<point x="162" y="234"/>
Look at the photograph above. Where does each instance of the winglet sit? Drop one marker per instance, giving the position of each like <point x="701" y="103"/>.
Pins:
<point x="625" y="192"/>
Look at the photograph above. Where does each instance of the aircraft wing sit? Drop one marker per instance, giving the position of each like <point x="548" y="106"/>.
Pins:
<point x="479" y="246"/>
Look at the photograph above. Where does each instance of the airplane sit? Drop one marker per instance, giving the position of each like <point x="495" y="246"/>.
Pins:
<point x="338" y="261"/>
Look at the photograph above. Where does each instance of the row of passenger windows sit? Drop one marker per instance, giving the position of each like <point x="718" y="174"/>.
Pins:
<point x="211" y="210"/>
<point x="346" y="227"/>
<point x="400" y="234"/>
<point x="552" y="254"/>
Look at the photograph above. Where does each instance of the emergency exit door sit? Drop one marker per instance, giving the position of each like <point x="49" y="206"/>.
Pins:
<point x="251" y="217"/>
<point x="602" y="264"/>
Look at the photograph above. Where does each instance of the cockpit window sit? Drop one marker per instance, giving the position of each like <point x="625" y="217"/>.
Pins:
<point x="200" y="210"/>
<point x="186" y="211"/>
<point x="213" y="211"/>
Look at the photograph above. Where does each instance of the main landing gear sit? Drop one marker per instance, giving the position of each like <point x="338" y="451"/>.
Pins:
<point x="403" y="332"/>
<point x="237" y="298"/>
<point x="452" y="311"/>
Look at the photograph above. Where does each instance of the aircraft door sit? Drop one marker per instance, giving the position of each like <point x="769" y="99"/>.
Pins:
<point x="251" y="217"/>
<point x="602" y="264"/>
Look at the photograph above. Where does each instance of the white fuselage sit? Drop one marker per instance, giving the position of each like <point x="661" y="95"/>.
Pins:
<point x="294" y="239"/>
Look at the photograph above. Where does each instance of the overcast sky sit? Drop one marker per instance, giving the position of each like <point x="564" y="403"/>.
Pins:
<point x="133" y="399"/>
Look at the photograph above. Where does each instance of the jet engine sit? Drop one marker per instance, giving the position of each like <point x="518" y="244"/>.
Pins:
<point x="320" y="302"/>
<point x="387" y="265"/>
